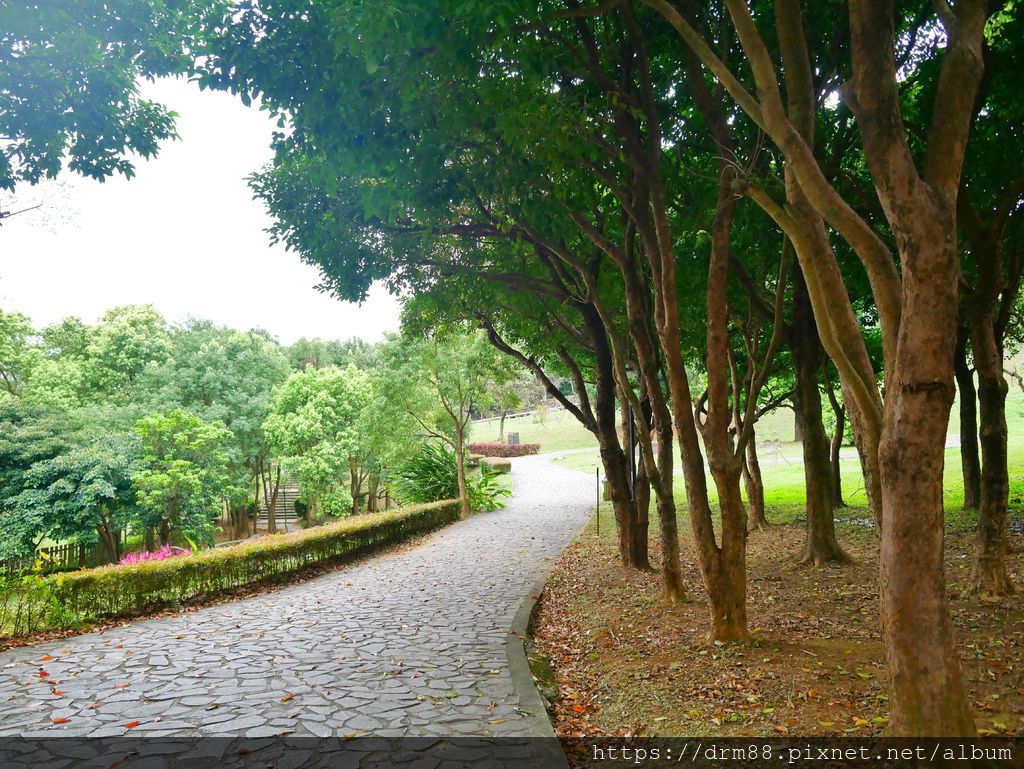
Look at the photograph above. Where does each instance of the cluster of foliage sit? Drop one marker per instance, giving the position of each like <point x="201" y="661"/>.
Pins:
<point x="494" y="449"/>
<point x="39" y="603"/>
<point x="433" y="474"/>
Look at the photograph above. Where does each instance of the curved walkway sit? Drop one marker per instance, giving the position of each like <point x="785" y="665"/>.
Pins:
<point x="407" y="643"/>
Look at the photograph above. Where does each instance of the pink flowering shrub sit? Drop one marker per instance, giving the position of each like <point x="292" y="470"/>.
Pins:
<point x="504" y="449"/>
<point x="162" y="554"/>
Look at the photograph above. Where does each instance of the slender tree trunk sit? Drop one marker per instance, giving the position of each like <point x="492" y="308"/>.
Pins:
<point x="821" y="545"/>
<point x="668" y="524"/>
<point x="835" y="457"/>
<point x="613" y="458"/>
<point x="373" y="486"/>
<point x="355" y="484"/>
<point x="970" y="462"/>
<point x="727" y="586"/>
<point x="270" y="492"/>
<point x="639" y="492"/>
<point x="150" y="539"/>
<point x="836" y="445"/>
<point x="165" y="532"/>
<point x="460" y="461"/>
<point x="642" y="504"/>
<point x="990" y="577"/>
<point x="501" y="426"/>
<point x="754" y="484"/>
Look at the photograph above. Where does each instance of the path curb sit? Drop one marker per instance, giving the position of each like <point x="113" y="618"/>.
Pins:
<point x="538" y="724"/>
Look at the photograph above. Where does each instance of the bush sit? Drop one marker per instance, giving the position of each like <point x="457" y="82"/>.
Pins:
<point x="473" y="460"/>
<point x="126" y="590"/>
<point x="504" y="449"/>
<point x="496" y="464"/>
<point x="434" y="473"/>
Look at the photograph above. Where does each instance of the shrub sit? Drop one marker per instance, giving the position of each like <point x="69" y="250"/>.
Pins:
<point x="504" y="449"/>
<point x="126" y="590"/>
<point x="434" y="472"/>
<point x="496" y="465"/>
<point x="473" y="460"/>
<point x="430" y="475"/>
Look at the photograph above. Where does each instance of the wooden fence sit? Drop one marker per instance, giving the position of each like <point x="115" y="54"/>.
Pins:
<point x="53" y="558"/>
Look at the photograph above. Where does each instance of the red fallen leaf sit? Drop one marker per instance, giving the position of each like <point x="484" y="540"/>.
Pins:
<point x="579" y="708"/>
<point x="60" y="720"/>
<point x="43" y="674"/>
<point x="288" y="698"/>
<point x="121" y="686"/>
<point x="57" y="692"/>
<point x="45" y="658"/>
<point x="119" y="646"/>
<point x="131" y="724"/>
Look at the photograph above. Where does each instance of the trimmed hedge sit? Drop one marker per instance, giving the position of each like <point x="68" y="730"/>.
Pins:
<point x="504" y="449"/>
<point x="496" y="464"/>
<point x="121" y="591"/>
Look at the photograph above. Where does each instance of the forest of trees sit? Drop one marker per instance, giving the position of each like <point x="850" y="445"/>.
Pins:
<point x="133" y="429"/>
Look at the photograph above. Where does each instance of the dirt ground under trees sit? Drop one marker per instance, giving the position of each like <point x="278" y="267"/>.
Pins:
<point x="627" y="663"/>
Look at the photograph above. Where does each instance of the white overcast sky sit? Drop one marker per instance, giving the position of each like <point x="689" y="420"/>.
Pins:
<point x="184" y="235"/>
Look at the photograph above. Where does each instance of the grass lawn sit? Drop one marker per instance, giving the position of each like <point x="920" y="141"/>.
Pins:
<point x="783" y="471"/>
<point x="559" y="431"/>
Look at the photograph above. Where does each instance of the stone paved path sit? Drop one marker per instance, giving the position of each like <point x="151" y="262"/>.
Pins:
<point x="409" y="643"/>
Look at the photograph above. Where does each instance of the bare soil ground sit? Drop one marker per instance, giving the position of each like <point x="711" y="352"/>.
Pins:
<point x="626" y="663"/>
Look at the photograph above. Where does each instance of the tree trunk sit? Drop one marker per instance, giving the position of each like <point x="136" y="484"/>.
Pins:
<point x="970" y="462"/>
<point x="150" y="539"/>
<point x="109" y="550"/>
<point x="270" y="498"/>
<point x="990" y="577"/>
<point x="373" y="486"/>
<point x="756" y="517"/>
<point x="836" y="445"/>
<point x="821" y="545"/>
<point x="240" y="516"/>
<point x="355" y="480"/>
<point x="460" y="462"/>
<point x="728" y="584"/>
<point x="613" y="458"/>
<point x="928" y="694"/>
<point x="165" y="533"/>
<point x="835" y="457"/>
<point x="642" y="505"/>
<point x="501" y="426"/>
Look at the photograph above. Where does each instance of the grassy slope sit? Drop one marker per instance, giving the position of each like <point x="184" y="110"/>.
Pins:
<point x="560" y="431"/>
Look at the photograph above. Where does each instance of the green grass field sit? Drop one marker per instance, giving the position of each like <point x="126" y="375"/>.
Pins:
<point x="559" y="431"/>
<point x="783" y="470"/>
